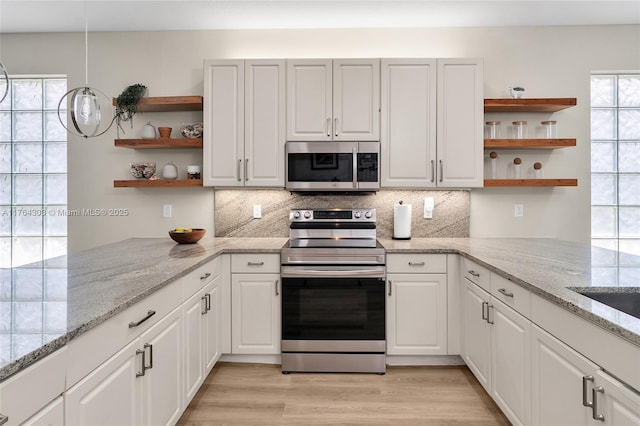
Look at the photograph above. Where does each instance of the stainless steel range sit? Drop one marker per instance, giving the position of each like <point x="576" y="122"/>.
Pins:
<point x="333" y="293"/>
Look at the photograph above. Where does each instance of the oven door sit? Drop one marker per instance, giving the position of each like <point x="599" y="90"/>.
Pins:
<point x="333" y="309"/>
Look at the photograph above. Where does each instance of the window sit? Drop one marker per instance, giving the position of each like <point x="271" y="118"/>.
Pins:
<point x="33" y="172"/>
<point x="615" y="169"/>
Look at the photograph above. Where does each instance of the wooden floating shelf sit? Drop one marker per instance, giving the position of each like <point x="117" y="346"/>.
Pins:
<point x="528" y="143"/>
<point x="529" y="182"/>
<point x="158" y="143"/>
<point x="156" y="183"/>
<point x="528" y="105"/>
<point x="169" y="103"/>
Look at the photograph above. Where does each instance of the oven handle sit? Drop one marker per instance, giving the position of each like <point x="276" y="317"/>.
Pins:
<point x="305" y="272"/>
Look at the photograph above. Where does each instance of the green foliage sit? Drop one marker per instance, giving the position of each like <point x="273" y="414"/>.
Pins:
<point x="127" y="103"/>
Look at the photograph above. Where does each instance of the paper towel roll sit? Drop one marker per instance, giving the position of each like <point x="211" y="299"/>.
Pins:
<point x="402" y="221"/>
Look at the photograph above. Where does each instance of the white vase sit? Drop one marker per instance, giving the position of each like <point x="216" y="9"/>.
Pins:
<point x="148" y="131"/>
<point x="170" y="171"/>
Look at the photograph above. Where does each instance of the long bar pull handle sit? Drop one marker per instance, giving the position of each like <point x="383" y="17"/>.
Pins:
<point x="441" y="171"/>
<point x="433" y="171"/>
<point x="485" y="308"/>
<point x="585" y="391"/>
<point x="255" y="263"/>
<point x="138" y="352"/>
<point x="390" y="287"/>
<point x="246" y="169"/>
<point x="238" y="170"/>
<point x="335" y="126"/>
<point x="505" y="292"/>
<point x="594" y="396"/>
<point x="205" y="276"/>
<point x="355" y="167"/>
<point x="207" y="298"/>
<point x="328" y="125"/>
<point x="147" y="345"/>
<point x="3" y="419"/>
<point x="473" y="273"/>
<point x="203" y="299"/>
<point x="490" y="309"/>
<point x="149" y="315"/>
<point x="416" y="263"/>
<point x="277" y="292"/>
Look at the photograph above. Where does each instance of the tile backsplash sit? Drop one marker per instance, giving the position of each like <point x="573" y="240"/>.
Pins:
<point x="234" y="211"/>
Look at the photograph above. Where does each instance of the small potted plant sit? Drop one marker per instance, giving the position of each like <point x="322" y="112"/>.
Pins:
<point x="127" y="103"/>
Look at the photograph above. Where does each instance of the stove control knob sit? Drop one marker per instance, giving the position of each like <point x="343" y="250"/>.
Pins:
<point x="307" y="215"/>
<point x="367" y="215"/>
<point x="357" y="215"/>
<point x="296" y="215"/>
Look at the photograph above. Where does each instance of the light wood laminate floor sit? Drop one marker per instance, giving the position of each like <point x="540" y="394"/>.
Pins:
<point x="259" y="394"/>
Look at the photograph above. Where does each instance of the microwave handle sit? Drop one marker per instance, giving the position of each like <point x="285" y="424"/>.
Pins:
<point x="355" y="167"/>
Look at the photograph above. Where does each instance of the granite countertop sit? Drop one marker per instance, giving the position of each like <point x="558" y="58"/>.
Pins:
<point x="44" y="306"/>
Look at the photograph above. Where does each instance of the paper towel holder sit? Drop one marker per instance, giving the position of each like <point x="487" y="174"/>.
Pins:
<point x="395" y="219"/>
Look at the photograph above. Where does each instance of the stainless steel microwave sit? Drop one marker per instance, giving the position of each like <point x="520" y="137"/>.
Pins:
<point x="332" y="166"/>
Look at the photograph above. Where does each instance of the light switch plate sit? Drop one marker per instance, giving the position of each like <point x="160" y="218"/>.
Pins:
<point x="257" y="211"/>
<point x="166" y="210"/>
<point x="428" y="207"/>
<point x="518" y="210"/>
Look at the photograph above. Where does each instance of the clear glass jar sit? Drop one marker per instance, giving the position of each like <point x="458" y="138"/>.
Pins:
<point x="519" y="129"/>
<point x="549" y="129"/>
<point x="492" y="130"/>
<point x="493" y="161"/>
<point x="537" y="170"/>
<point x="517" y="168"/>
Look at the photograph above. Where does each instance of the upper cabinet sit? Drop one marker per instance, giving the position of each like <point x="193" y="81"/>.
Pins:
<point x="333" y="100"/>
<point x="244" y="118"/>
<point x="432" y="123"/>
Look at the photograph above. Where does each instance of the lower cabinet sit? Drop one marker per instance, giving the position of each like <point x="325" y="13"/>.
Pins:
<point x="476" y="344"/>
<point x="51" y="415"/>
<point x="613" y="402"/>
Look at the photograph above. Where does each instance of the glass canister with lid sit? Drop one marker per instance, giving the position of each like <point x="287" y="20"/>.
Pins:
<point x="492" y="130"/>
<point x="549" y="129"/>
<point x="519" y="129"/>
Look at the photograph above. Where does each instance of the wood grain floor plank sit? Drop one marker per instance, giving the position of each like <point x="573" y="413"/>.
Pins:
<point x="259" y="394"/>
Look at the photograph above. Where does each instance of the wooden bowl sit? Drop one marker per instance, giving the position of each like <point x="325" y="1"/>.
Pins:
<point x="187" y="237"/>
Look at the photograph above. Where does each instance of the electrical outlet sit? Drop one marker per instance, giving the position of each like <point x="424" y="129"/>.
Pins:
<point x="257" y="211"/>
<point x="166" y="210"/>
<point x="518" y="210"/>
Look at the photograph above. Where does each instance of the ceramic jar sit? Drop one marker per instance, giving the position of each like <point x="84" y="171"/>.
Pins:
<point x="170" y="171"/>
<point x="148" y="131"/>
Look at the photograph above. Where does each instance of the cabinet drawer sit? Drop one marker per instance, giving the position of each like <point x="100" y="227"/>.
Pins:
<point x="511" y="294"/>
<point x="198" y="278"/>
<point x="417" y="263"/>
<point x="30" y="390"/>
<point x="476" y="274"/>
<point x="255" y="263"/>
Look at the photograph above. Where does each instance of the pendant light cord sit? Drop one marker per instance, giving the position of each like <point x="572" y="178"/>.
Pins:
<point x="86" y="46"/>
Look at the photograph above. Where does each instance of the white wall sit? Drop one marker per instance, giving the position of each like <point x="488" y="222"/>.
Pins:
<point x="547" y="61"/>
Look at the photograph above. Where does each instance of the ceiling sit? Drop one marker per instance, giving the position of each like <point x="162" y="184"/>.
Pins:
<point x="152" y="15"/>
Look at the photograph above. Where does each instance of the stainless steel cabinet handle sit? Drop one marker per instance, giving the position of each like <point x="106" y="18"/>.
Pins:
<point x="473" y="273"/>
<point x="238" y="170"/>
<point x="147" y="345"/>
<point x="277" y="292"/>
<point x="246" y="169"/>
<point x="255" y="263"/>
<point x="594" y="396"/>
<point x="205" y="276"/>
<point x="490" y="309"/>
<point x="149" y="315"/>
<point x="3" y="419"/>
<point x="355" y="167"/>
<point x="335" y="126"/>
<point x="505" y="292"/>
<point x="485" y="316"/>
<point x="138" y="352"/>
<point x="207" y="298"/>
<point x="328" y="124"/>
<point x="390" y="287"/>
<point x="585" y="391"/>
<point x="204" y="307"/>
<point x="416" y="263"/>
<point x="441" y="171"/>
<point x="433" y="171"/>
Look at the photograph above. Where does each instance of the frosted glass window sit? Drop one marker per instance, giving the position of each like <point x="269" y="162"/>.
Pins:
<point x="615" y="164"/>
<point x="33" y="167"/>
<point x="27" y="284"/>
<point x="27" y="316"/>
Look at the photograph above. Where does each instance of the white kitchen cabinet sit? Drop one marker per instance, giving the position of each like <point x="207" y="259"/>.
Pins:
<point x="244" y="114"/>
<point x="460" y="104"/>
<point x="335" y="99"/>
<point x="476" y="332"/>
<point x="614" y="403"/>
<point x="408" y="123"/>
<point x="51" y="415"/>
<point x="560" y="377"/>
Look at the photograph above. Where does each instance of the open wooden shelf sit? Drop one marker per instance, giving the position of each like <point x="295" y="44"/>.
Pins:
<point x="158" y="143"/>
<point x="156" y="183"/>
<point x="529" y="182"/>
<point x="169" y="103"/>
<point x="528" y="143"/>
<point x="528" y="105"/>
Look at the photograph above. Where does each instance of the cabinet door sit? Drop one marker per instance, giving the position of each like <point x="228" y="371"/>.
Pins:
<point x="417" y="314"/>
<point x="51" y="415"/>
<point x="265" y="121"/>
<point x="476" y="343"/>
<point x="255" y="313"/>
<point x="356" y="99"/>
<point x="110" y="395"/>
<point x="223" y="112"/>
<point x="511" y="362"/>
<point x="192" y="311"/>
<point x="619" y="405"/>
<point x="309" y="99"/>
<point x="212" y="324"/>
<point x="460" y="123"/>
<point x="163" y="380"/>
<point x="557" y="373"/>
<point x="408" y="125"/>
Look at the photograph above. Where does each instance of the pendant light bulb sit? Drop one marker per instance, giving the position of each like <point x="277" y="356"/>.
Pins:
<point x="87" y="107"/>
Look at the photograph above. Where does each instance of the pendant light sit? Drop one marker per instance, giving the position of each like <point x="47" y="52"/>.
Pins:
<point x="84" y="101"/>
<point x="4" y="84"/>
